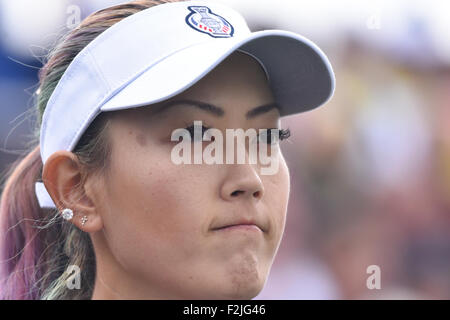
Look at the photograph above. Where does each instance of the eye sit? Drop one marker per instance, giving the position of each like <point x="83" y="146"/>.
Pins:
<point x="191" y="128"/>
<point x="266" y="135"/>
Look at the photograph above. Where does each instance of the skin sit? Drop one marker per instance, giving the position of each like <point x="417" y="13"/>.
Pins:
<point x="151" y="221"/>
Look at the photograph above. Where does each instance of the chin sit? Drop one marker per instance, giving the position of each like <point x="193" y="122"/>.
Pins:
<point x="244" y="292"/>
<point x="243" y="277"/>
<point x="244" y="287"/>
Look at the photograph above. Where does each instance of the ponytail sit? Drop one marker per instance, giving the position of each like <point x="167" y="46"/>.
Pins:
<point x="20" y="240"/>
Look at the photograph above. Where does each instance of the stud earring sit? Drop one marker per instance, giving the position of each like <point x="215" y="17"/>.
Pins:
<point x="83" y="220"/>
<point x="67" y="214"/>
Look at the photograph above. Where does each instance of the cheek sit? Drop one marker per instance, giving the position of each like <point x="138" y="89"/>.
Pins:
<point x="153" y="211"/>
<point x="277" y="188"/>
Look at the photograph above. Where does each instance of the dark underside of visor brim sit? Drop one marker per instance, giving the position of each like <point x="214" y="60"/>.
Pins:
<point x="299" y="77"/>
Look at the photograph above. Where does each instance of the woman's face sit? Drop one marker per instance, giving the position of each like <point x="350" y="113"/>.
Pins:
<point x="158" y="238"/>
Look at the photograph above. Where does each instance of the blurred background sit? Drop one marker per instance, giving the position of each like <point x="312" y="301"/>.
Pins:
<point x="370" y="170"/>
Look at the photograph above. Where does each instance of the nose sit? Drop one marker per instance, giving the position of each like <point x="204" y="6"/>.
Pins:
<point x="242" y="182"/>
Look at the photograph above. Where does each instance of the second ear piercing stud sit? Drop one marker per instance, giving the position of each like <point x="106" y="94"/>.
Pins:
<point x="83" y="220"/>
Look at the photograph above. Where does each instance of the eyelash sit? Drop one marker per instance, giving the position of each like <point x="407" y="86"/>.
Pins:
<point x="283" y="134"/>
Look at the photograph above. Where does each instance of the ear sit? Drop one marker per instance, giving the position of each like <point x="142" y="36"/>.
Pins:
<point x="63" y="177"/>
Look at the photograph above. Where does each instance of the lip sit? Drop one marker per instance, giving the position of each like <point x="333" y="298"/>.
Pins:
<point x="247" y="227"/>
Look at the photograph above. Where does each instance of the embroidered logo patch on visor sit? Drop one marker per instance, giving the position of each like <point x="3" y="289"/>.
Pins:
<point x="202" y="19"/>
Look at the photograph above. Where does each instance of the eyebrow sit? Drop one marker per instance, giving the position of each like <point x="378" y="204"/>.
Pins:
<point x="217" y="111"/>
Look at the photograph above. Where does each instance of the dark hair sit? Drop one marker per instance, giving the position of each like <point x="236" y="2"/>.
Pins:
<point x="36" y="246"/>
